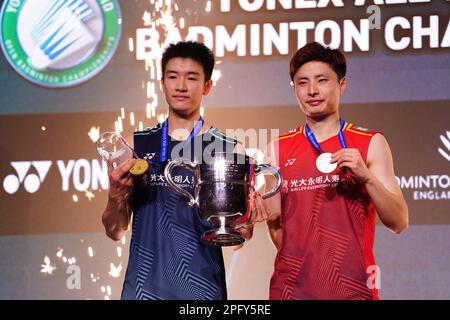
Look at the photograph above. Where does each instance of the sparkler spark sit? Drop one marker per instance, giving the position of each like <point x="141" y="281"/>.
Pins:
<point x="148" y="110"/>
<point x="161" y="118"/>
<point x="94" y="133"/>
<point x="147" y="18"/>
<point x="94" y="278"/>
<point x="115" y="271"/>
<point x="131" y="44"/>
<point x="216" y="75"/>
<point x="119" y="121"/>
<point x="90" y="252"/>
<point x="48" y="267"/>
<point x="89" y="194"/>
<point x="132" y="122"/>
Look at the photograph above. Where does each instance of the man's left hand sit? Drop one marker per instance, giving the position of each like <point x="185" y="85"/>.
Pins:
<point x="351" y="158"/>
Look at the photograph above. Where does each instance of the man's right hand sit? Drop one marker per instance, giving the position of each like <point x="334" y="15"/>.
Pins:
<point x="121" y="180"/>
<point x="117" y="215"/>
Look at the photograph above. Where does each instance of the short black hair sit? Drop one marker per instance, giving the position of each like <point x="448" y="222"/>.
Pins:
<point x="190" y="49"/>
<point x="314" y="51"/>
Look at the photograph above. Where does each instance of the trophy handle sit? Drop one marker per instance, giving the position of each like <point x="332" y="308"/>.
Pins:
<point x="261" y="168"/>
<point x="172" y="164"/>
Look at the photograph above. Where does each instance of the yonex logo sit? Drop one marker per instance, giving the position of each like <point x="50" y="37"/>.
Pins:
<point x="32" y="181"/>
<point x="149" y="156"/>
<point x="289" y="162"/>
<point x="78" y="175"/>
<point x="445" y="152"/>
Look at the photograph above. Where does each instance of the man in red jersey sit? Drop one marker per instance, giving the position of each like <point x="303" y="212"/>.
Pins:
<point x="337" y="176"/>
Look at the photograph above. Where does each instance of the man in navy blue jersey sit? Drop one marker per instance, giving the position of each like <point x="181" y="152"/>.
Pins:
<point x="167" y="259"/>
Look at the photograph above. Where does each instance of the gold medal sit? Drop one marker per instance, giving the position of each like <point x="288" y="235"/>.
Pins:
<point x="139" y="167"/>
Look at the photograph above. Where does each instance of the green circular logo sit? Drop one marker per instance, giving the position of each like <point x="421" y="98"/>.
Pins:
<point x="59" y="43"/>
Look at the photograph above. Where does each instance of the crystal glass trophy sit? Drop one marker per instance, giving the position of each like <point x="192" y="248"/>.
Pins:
<point x="114" y="150"/>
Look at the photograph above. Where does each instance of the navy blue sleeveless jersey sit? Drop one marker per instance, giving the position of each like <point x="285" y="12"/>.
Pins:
<point x="167" y="259"/>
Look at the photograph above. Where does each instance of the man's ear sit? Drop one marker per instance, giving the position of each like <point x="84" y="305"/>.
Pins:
<point x="162" y="85"/>
<point x="343" y="84"/>
<point x="207" y="87"/>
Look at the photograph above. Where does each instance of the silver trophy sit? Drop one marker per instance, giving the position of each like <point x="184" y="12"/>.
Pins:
<point x="222" y="188"/>
<point x="114" y="150"/>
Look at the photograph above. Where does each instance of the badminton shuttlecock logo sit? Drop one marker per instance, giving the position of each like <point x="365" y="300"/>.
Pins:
<point x="59" y="43"/>
<point x="61" y="32"/>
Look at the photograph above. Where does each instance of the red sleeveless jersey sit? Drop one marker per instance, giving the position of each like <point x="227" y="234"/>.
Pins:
<point x="328" y="233"/>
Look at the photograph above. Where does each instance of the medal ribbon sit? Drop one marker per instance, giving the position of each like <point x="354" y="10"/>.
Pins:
<point x="164" y="149"/>
<point x="312" y="139"/>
